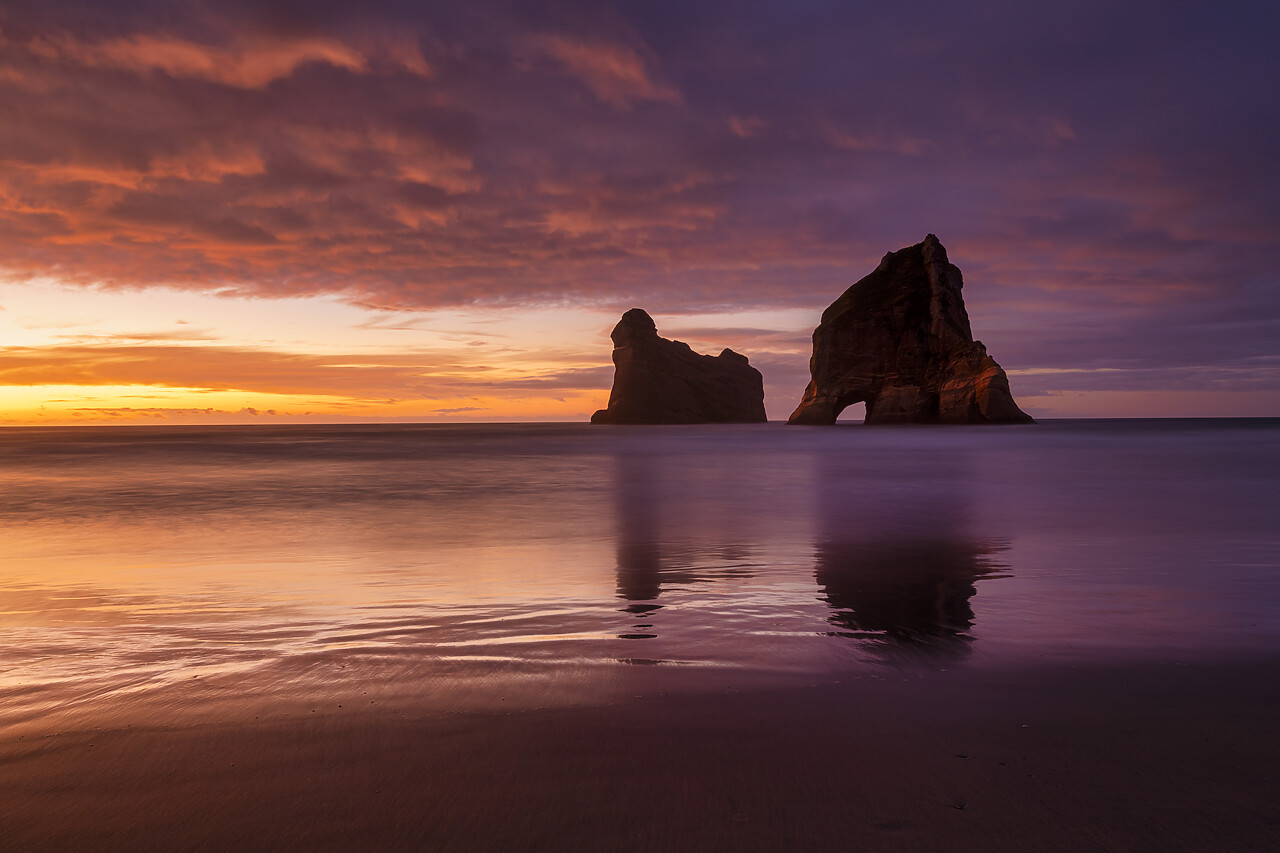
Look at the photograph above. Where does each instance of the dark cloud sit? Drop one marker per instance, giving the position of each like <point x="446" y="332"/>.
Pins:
<point x="1103" y="172"/>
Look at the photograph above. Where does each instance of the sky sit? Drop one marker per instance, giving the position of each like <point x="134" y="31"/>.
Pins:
<point x="235" y="211"/>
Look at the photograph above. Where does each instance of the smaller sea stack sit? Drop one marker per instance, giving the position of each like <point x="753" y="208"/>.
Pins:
<point x="899" y="340"/>
<point x="657" y="381"/>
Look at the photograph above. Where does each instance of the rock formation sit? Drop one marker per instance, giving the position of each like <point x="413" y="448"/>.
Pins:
<point x="899" y="340"/>
<point x="657" y="381"/>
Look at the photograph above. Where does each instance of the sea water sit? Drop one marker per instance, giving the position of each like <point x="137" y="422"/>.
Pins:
<point x="412" y="562"/>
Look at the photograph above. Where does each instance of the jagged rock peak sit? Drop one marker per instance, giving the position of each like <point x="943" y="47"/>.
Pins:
<point x="899" y="340"/>
<point x="657" y="381"/>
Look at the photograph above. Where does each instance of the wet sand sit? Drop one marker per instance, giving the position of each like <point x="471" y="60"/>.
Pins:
<point x="1150" y="757"/>
<point x="554" y="638"/>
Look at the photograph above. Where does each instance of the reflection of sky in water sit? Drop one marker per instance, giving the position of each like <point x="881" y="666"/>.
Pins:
<point x="288" y="558"/>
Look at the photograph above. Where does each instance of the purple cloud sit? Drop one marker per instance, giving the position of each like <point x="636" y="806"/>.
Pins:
<point x="1103" y="173"/>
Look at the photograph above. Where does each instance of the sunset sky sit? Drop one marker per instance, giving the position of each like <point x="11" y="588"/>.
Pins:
<point x="233" y="211"/>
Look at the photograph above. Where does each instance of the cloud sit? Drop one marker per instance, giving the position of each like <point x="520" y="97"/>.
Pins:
<point x="248" y="63"/>
<point x="615" y="73"/>
<point x="420" y="374"/>
<point x="1108" y="199"/>
<point x="202" y="335"/>
<point x="747" y="338"/>
<point x="131" y="412"/>
<point x="584" y="378"/>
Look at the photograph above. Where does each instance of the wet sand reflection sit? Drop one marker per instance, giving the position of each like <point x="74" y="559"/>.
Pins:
<point x="896" y="558"/>
<point x="898" y="564"/>
<point x="661" y="541"/>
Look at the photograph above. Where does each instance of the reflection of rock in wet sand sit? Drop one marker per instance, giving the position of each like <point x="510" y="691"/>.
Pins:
<point x="903" y="601"/>
<point x="640" y="574"/>
<point x="657" y="528"/>
<point x="898" y="563"/>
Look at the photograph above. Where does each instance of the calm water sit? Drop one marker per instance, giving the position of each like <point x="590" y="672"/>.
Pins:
<point x="538" y="563"/>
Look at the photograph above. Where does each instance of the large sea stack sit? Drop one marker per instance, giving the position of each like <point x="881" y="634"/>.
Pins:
<point x="899" y="340"/>
<point x="657" y="381"/>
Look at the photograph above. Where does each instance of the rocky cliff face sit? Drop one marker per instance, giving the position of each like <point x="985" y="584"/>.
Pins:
<point x="657" y="381"/>
<point x="899" y="340"/>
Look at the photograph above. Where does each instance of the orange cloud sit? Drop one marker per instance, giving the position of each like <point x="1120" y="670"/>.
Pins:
<point x="746" y="127"/>
<point x="615" y="73"/>
<point x="419" y="374"/>
<point x="249" y="62"/>
<point x="909" y="146"/>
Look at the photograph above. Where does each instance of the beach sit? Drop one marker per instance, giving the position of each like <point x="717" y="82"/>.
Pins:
<point x="1123" y="758"/>
<point x="1062" y="637"/>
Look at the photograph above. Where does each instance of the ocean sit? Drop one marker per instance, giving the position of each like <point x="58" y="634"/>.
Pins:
<point x="559" y="637"/>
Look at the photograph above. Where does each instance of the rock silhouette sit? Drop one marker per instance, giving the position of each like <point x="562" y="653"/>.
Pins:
<point x="899" y="340"/>
<point x="657" y="381"/>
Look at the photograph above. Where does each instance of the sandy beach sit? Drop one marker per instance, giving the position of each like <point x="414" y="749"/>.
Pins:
<point x="1175" y="758"/>
<point x="557" y="639"/>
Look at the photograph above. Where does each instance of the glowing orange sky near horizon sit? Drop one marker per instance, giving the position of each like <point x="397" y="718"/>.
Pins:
<point x="102" y="357"/>
<point x="135" y="357"/>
